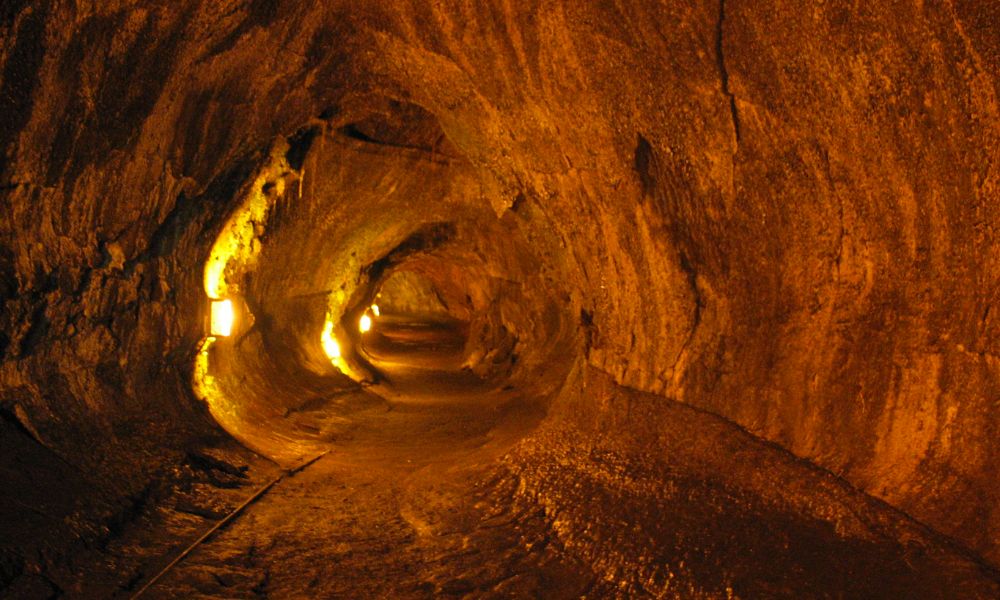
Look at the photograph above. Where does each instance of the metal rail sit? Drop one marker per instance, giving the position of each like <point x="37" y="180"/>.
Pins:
<point x="225" y="521"/>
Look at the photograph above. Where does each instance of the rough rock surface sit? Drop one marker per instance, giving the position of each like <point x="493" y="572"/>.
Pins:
<point x="782" y="215"/>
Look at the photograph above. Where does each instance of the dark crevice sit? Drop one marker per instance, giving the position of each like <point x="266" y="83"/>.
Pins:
<point x="9" y="286"/>
<point x="206" y="463"/>
<point x="841" y="232"/>
<point x="353" y="132"/>
<point x="168" y="234"/>
<point x="130" y="584"/>
<point x="215" y="201"/>
<point x="36" y="331"/>
<point x="517" y="206"/>
<point x="135" y="503"/>
<point x="428" y="237"/>
<point x="329" y="112"/>
<point x="723" y="72"/>
<point x="433" y="153"/>
<point x="692" y="277"/>
<point x="405" y="126"/>
<point x="199" y="511"/>
<point x="587" y="323"/>
<point x="11" y="418"/>
<point x="299" y="145"/>
<point x="643" y="164"/>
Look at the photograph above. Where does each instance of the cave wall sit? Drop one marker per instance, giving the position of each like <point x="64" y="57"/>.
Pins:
<point x="410" y="292"/>
<point x="782" y="215"/>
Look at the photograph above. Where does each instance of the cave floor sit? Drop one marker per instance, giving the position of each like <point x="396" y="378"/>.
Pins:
<point x="344" y="529"/>
<point x="428" y="502"/>
<point x="409" y="504"/>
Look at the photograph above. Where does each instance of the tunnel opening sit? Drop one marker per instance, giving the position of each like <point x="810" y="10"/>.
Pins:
<point x="405" y="313"/>
<point x="410" y="315"/>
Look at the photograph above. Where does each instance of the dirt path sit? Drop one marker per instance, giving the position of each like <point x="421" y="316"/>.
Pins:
<point x="426" y="501"/>
<point x="408" y="506"/>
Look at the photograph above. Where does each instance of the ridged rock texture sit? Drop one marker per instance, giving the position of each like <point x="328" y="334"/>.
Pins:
<point x="782" y="214"/>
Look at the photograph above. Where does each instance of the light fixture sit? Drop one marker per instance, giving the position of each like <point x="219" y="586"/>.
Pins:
<point x="375" y="310"/>
<point x="365" y="323"/>
<point x="223" y="317"/>
<point x="330" y="345"/>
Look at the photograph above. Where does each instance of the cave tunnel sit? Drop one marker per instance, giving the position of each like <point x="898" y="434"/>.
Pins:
<point x="499" y="299"/>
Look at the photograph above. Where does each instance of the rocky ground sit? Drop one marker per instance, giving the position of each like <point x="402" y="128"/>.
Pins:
<point x="432" y="504"/>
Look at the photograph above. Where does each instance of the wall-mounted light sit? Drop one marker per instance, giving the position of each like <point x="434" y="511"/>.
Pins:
<point x="375" y="310"/>
<point x="223" y="317"/>
<point x="330" y="345"/>
<point x="365" y="323"/>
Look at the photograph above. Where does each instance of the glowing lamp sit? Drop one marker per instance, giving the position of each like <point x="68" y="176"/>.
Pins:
<point x="330" y="345"/>
<point x="375" y="310"/>
<point x="365" y="323"/>
<point x="222" y="317"/>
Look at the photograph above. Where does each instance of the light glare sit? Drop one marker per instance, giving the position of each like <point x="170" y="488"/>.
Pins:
<point x="222" y="317"/>
<point x="375" y="310"/>
<point x="365" y="324"/>
<point x="330" y="345"/>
